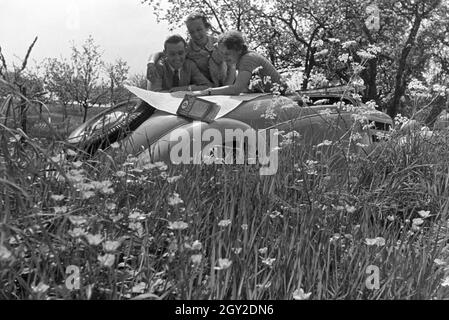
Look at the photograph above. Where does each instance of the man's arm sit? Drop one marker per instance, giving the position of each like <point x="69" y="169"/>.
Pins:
<point x="154" y="82"/>
<point x="151" y="64"/>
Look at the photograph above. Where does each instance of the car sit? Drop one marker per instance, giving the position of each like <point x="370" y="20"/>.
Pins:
<point x="150" y="128"/>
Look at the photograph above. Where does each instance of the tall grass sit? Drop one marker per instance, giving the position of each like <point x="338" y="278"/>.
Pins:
<point x="155" y="231"/>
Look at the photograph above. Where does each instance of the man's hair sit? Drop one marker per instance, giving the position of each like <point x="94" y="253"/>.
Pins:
<point x="174" y="39"/>
<point x="233" y="40"/>
<point x="198" y="15"/>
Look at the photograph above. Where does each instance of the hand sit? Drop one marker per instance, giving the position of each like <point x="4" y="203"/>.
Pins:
<point x="197" y="93"/>
<point x="151" y="71"/>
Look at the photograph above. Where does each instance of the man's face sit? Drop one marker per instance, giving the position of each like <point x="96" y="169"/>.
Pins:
<point x="175" y="54"/>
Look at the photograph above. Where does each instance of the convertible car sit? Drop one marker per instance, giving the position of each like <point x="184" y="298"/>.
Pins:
<point x="145" y="126"/>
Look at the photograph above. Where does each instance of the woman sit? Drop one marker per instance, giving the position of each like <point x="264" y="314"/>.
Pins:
<point x="201" y="49"/>
<point x="235" y="52"/>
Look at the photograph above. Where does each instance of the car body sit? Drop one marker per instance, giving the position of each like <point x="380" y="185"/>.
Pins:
<point x="147" y="132"/>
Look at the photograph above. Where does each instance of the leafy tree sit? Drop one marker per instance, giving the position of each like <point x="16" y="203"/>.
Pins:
<point x="87" y="65"/>
<point x="118" y="74"/>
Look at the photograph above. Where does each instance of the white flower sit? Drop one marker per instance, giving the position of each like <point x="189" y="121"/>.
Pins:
<point x="110" y="246"/>
<point x="299" y="294"/>
<point x="324" y="143"/>
<point x="417" y="221"/>
<point x="107" y="260"/>
<point x="40" y="288"/>
<point x="5" y="254"/>
<point x="350" y="209"/>
<point x="223" y="264"/>
<point x="77" y="232"/>
<point x="244" y="226"/>
<point x="379" y="241"/>
<point x="173" y="179"/>
<point x="139" y="288"/>
<point x="196" y="245"/>
<point x="196" y="258"/>
<point x="224" y="223"/>
<point x="174" y="199"/>
<point x="237" y="250"/>
<point x="439" y="262"/>
<point x="94" y="240"/>
<point x="177" y="225"/>
<point x="115" y="145"/>
<point x="57" y="197"/>
<point x="269" y="261"/>
<point x="77" y="220"/>
<point x="445" y="282"/>
<point x="62" y="209"/>
<point x="424" y="214"/>
<point x="263" y="250"/>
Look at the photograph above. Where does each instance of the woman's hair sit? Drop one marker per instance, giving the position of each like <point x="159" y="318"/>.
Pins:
<point x="233" y="40"/>
<point x="198" y="15"/>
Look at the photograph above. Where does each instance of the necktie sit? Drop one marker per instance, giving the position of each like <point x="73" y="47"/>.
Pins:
<point x="176" y="78"/>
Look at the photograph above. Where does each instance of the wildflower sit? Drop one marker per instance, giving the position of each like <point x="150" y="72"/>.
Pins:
<point x="71" y="152"/>
<point x="136" y="226"/>
<point x="177" y="225"/>
<point x="343" y="57"/>
<point x="87" y="194"/>
<point x="269" y="261"/>
<point x="417" y="221"/>
<point x="77" y="232"/>
<point x="263" y="250"/>
<point x="111" y="246"/>
<point x="120" y="173"/>
<point x="115" y="145"/>
<point x="223" y="264"/>
<point x="137" y="215"/>
<point x="224" y="223"/>
<point x="197" y="245"/>
<point x="62" y="209"/>
<point x="379" y="241"/>
<point x="390" y="218"/>
<point x="107" y="260"/>
<point x="237" y="250"/>
<point x="348" y="44"/>
<point x="335" y="237"/>
<point x="264" y="285"/>
<point x="276" y="213"/>
<point x="439" y="262"/>
<point x="5" y="254"/>
<point x="365" y="55"/>
<point x="174" y="199"/>
<point x="196" y="258"/>
<point x="77" y="164"/>
<point x="57" y="197"/>
<point x="94" y="240"/>
<point x="324" y="143"/>
<point x="40" y="288"/>
<point x="445" y="282"/>
<point x="299" y="294"/>
<point x="139" y="288"/>
<point x="424" y="214"/>
<point x="350" y="209"/>
<point x="173" y="179"/>
<point x="77" y="220"/>
<point x="244" y="226"/>
<point x="110" y="205"/>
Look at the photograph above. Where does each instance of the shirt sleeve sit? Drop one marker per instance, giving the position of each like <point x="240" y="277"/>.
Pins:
<point x="247" y="63"/>
<point x="155" y="82"/>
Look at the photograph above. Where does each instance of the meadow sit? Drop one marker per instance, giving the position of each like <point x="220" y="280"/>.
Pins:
<point x="374" y="227"/>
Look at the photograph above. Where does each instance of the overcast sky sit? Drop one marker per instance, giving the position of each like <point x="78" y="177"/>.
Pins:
<point x="122" y="28"/>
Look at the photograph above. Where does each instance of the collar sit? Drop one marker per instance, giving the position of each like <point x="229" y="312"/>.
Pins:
<point x="209" y="44"/>
<point x="173" y="69"/>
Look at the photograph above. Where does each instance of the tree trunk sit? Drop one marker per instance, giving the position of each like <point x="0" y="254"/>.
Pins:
<point x="85" y="107"/>
<point x="400" y="80"/>
<point x="369" y="77"/>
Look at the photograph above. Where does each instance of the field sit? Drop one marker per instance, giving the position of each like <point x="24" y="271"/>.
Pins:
<point x="374" y="227"/>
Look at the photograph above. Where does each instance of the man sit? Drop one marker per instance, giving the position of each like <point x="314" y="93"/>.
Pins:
<point x="174" y="71"/>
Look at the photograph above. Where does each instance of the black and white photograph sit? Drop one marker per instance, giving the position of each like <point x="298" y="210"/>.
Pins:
<point x="224" y="158"/>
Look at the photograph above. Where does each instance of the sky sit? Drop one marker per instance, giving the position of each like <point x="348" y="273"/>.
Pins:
<point x="124" y="29"/>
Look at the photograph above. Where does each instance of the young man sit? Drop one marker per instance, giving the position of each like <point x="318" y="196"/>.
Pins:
<point x="174" y="71"/>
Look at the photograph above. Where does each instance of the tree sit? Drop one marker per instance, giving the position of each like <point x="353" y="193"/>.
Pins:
<point x="87" y="65"/>
<point x="311" y="34"/>
<point x="117" y="73"/>
<point x="59" y="81"/>
<point x="21" y="84"/>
